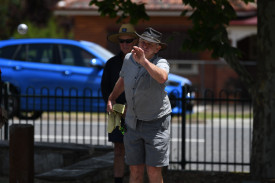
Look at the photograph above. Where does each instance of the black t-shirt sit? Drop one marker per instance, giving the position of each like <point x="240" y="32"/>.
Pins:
<point x="110" y="77"/>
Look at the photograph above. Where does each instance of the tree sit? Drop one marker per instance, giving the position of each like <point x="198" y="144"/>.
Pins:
<point x="10" y="16"/>
<point x="36" y="13"/>
<point x="210" y="19"/>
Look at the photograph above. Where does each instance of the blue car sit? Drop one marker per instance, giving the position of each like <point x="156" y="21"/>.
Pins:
<point x="53" y="75"/>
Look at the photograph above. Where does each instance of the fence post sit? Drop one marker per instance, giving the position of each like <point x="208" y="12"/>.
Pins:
<point x="21" y="153"/>
<point x="183" y="123"/>
<point x="1" y="108"/>
<point x="3" y="111"/>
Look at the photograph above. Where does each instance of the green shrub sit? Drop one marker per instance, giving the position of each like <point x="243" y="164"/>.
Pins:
<point x="51" y="30"/>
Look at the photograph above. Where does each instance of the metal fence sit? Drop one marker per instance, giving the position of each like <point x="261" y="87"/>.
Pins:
<point x="215" y="136"/>
<point x="218" y="133"/>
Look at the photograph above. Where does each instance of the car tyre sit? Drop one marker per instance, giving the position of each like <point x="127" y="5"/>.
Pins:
<point x="12" y="96"/>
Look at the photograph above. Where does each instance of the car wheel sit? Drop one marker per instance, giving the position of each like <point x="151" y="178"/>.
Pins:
<point x="10" y="95"/>
<point x="31" y="115"/>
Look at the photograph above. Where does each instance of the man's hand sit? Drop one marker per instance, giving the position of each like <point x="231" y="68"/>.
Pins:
<point x="138" y="55"/>
<point x="110" y="104"/>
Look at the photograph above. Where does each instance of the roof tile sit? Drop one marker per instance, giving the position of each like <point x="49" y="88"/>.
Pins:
<point x="238" y="5"/>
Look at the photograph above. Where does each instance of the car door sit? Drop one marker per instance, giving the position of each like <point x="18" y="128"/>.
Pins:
<point x="62" y="74"/>
<point x="35" y="67"/>
<point x="80" y="78"/>
<point x="28" y="70"/>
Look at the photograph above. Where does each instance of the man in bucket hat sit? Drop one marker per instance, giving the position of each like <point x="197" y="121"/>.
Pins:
<point x="142" y="77"/>
<point x="126" y="38"/>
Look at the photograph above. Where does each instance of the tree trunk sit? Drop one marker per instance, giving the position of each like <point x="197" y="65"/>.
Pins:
<point x="263" y="95"/>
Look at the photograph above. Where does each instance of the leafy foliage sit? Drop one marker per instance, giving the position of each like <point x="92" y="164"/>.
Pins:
<point x="9" y="17"/>
<point x="209" y="31"/>
<point x="209" y="18"/>
<point x="127" y="9"/>
<point x="50" y="30"/>
<point x="36" y="14"/>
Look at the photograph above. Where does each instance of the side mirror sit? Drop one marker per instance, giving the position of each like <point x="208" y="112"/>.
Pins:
<point x="95" y="62"/>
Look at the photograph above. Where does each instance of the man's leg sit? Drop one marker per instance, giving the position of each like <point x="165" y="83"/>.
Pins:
<point x="119" y="166"/>
<point x="136" y="173"/>
<point x="154" y="174"/>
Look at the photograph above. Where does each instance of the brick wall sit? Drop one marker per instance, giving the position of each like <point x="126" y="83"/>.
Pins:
<point x="92" y="28"/>
<point x="96" y="29"/>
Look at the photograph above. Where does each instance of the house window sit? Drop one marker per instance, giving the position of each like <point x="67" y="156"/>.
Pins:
<point x="183" y="67"/>
<point x="180" y="60"/>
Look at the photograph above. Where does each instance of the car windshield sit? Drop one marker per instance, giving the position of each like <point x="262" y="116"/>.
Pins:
<point x="104" y="53"/>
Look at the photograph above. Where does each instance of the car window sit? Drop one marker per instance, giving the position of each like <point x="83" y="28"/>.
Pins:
<point x="34" y="53"/>
<point x="7" y="51"/>
<point x="72" y="55"/>
<point x="20" y="53"/>
<point x="40" y="53"/>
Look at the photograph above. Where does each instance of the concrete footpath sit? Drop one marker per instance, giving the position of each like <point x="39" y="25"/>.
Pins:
<point x="94" y="169"/>
<point x="65" y="163"/>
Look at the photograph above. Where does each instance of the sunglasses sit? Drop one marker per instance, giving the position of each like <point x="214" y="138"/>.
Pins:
<point x="126" y="40"/>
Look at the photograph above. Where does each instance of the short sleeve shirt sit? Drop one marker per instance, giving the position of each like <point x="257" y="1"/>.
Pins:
<point x="146" y="99"/>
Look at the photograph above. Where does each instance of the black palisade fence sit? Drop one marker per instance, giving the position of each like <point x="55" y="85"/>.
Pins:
<point x="210" y="132"/>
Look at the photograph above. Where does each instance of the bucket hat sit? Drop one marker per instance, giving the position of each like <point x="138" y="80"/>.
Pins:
<point x="125" y="29"/>
<point x="153" y="36"/>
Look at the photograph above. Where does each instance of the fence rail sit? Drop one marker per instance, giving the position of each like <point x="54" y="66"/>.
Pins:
<point x="215" y="136"/>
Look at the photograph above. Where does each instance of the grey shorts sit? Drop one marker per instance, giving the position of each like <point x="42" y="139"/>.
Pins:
<point x="149" y="143"/>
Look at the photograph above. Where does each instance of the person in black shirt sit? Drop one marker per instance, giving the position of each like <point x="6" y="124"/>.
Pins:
<point x="126" y="38"/>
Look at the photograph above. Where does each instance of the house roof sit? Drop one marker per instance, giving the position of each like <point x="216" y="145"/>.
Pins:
<point x="173" y="7"/>
<point x="149" y="4"/>
<point x="248" y="21"/>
